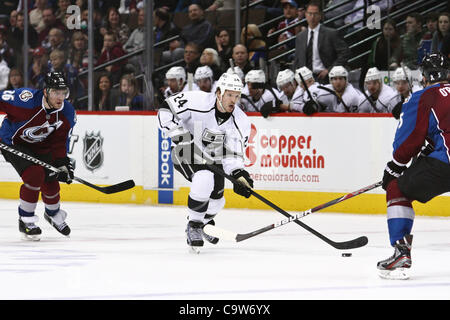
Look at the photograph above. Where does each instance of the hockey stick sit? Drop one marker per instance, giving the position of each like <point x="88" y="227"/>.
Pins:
<point x="339" y="99"/>
<point x="351" y="244"/>
<point x="108" y="190"/>
<point x="309" y="93"/>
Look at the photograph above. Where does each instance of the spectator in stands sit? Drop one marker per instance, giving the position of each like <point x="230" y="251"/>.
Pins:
<point x="112" y="24"/>
<point x="191" y="57"/>
<point x="441" y="32"/>
<point x="15" y="79"/>
<point x="58" y="64"/>
<point x="78" y="54"/>
<point x="446" y="46"/>
<point x="319" y="48"/>
<point x="431" y="21"/>
<point x="415" y="41"/>
<point x="164" y="28"/>
<point x="339" y="11"/>
<point x="6" y="52"/>
<point x="4" y="72"/>
<point x="199" y="31"/>
<point x="290" y="13"/>
<point x="210" y="58"/>
<point x="36" y="15"/>
<point x="103" y="93"/>
<point x="209" y="5"/>
<point x="6" y="9"/>
<point x="240" y="58"/>
<point x="50" y="22"/>
<point x="62" y="9"/>
<point x="129" y="93"/>
<point x="18" y="34"/>
<point x="38" y="68"/>
<point x="386" y="49"/>
<point x="57" y="41"/>
<point x="112" y="49"/>
<point x="252" y="38"/>
<point x="223" y="47"/>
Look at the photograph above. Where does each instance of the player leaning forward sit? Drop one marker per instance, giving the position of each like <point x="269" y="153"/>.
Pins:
<point x="425" y="116"/>
<point x="207" y="127"/>
<point x="39" y="123"/>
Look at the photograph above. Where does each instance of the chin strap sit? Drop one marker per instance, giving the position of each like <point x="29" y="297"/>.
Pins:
<point x="220" y="106"/>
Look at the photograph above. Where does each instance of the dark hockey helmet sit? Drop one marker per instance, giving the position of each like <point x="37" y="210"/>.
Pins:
<point x="434" y="67"/>
<point x="56" y="80"/>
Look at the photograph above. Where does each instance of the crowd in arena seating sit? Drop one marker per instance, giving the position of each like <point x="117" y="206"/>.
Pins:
<point x="191" y="53"/>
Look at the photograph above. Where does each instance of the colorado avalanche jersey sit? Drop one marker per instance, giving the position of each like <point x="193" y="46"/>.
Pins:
<point x="29" y="123"/>
<point x="387" y="100"/>
<point x="195" y="111"/>
<point x="426" y="115"/>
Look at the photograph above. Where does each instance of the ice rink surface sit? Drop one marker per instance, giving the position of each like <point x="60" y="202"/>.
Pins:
<point x="139" y="252"/>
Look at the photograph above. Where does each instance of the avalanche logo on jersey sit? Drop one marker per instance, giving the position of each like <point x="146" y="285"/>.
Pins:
<point x="40" y="133"/>
<point x="92" y="151"/>
<point x="25" y="95"/>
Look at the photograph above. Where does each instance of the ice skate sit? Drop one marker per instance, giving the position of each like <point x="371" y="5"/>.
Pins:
<point x="58" y="221"/>
<point x="194" y="235"/>
<point x="29" y="230"/>
<point x="398" y="265"/>
<point x="209" y="238"/>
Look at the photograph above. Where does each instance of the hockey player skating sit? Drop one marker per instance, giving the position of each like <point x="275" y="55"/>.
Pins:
<point x="287" y="84"/>
<point x="379" y="98"/>
<point x="425" y="116"/>
<point x="39" y="123"/>
<point x="207" y="127"/>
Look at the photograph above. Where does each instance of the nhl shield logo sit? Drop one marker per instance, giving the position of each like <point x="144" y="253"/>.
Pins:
<point x="92" y="151"/>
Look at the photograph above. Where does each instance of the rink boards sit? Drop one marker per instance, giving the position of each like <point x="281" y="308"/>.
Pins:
<point x="297" y="162"/>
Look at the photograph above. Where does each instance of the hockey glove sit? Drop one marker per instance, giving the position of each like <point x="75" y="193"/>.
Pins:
<point x="310" y="107"/>
<point x="391" y="172"/>
<point x="426" y="150"/>
<point x="245" y="183"/>
<point x="397" y="110"/>
<point x="66" y="167"/>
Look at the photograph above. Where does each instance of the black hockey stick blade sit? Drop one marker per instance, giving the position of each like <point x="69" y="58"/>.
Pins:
<point x="119" y="187"/>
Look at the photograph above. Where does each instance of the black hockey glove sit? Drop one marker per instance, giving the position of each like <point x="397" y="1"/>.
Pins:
<point x="397" y="110"/>
<point x="391" y="172"/>
<point x="245" y="184"/>
<point x="310" y="107"/>
<point x="270" y="107"/>
<point x="66" y="167"/>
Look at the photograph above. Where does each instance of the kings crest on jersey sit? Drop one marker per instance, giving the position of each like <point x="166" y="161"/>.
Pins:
<point x="28" y="122"/>
<point x="220" y="141"/>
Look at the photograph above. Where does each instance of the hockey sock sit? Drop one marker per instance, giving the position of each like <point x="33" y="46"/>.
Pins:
<point x="32" y="178"/>
<point x="214" y="206"/>
<point x="400" y="214"/>
<point x="51" y="197"/>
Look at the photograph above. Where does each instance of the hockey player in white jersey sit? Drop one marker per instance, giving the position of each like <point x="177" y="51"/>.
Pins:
<point x="287" y="84"/>
<point x="258" y="96"/>
<point x="404" y="85"/>
<point x="176" y="81"/>
<point x="378" y="98"/>
<point x="341" y="96"/>
<point x="204" y="79"/>
<point x="207" y="127"/>
<point x="314" y="96"/>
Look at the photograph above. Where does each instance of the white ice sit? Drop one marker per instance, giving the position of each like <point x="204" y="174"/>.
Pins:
<point x="140" y="252"/>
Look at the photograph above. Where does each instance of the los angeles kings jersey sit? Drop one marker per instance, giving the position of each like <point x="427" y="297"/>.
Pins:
<point x="387" y="100"/>
<point x="29" y="123"/>
<point x="195" y="112"/>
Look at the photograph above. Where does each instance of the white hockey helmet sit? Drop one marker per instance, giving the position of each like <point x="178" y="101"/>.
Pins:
<point x="176" y="73"/>
<point x="229" y="81"/>
<point x="338" y="71"/>
<point x="255" y="76"/>
<point x="285" y="77"/>
<point x="305" y="72"/>
<point x="373" y="74"/>
<point x="203" y="72"/>
<point x="402" y="74"/>
<point x="238" y="71"/>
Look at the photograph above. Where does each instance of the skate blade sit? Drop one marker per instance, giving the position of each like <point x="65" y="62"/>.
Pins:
<point x="396" y="274"/>
<point x="27" y="237"/>
<point x="194" y="250"/>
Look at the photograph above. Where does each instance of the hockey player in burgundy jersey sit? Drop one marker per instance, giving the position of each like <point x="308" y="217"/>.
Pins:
<point x="425" y="117"/>
<point x="39" y="123"/>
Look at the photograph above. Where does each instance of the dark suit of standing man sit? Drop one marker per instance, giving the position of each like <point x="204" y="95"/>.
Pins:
<point x="326" y="50"/>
